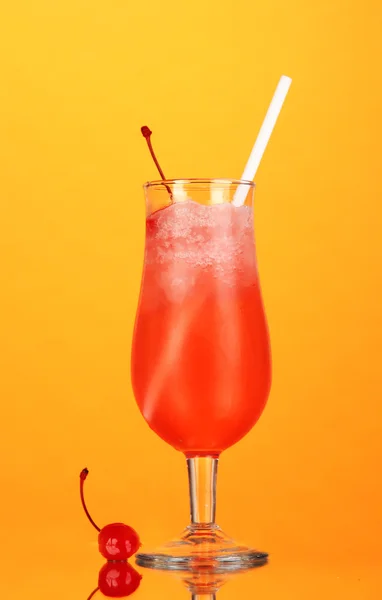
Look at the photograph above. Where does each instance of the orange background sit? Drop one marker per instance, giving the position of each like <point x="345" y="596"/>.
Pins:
<point x="79" y="78"/>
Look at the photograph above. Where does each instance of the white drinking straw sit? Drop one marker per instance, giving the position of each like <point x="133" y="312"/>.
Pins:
<point x="262" y="139"/>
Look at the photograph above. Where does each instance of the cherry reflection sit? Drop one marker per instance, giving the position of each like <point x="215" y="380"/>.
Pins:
<point x="117" y="579"/>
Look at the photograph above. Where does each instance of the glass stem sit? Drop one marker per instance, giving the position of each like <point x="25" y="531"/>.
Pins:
<point x="202" y="474"/>
<point x="203" y="597"/>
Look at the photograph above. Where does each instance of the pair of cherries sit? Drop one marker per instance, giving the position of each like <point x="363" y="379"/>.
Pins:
<point x="116" y="542"/>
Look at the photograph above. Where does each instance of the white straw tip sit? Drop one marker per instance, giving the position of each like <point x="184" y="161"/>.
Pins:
<point x="263" y="138"/>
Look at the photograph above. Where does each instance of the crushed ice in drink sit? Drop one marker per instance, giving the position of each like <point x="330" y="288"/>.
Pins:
<point x="188" y="242"/>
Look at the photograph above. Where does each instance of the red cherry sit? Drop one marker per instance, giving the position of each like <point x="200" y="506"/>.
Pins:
<point x="118" y="541"/>
<point x="117" y="580"/>
<point x="115" y="541"/>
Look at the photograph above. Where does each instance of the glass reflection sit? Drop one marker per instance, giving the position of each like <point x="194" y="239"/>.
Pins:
<point x="204" y="584"/>
<point x="118" y="579"/>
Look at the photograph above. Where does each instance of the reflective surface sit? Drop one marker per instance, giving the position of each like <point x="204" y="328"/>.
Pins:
<point x="77" y="78"/>
<point x="64" y="565"/>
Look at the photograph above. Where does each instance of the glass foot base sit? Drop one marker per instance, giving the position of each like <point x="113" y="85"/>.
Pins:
<point x="202" y="547"/>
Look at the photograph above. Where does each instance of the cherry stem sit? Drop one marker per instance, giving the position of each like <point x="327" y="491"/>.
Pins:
<point x="93" y="593"/>
<point x="83" y="475"/>
<point x="146" y="132"/>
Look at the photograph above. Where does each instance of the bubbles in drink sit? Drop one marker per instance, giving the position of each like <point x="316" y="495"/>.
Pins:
<point x="188" y="242"/>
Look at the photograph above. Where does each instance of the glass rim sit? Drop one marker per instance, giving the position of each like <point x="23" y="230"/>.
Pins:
<point x="193" y="181"/>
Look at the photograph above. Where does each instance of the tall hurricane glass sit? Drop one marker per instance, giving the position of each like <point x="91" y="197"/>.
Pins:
<point x="201" y="367"/>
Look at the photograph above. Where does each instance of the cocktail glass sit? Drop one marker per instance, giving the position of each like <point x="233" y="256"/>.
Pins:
<point x="201" y="367"/>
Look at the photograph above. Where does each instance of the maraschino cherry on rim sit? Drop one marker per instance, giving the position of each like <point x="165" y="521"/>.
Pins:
<point x="117" y="541"/>
<point x="117" y="580"/>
